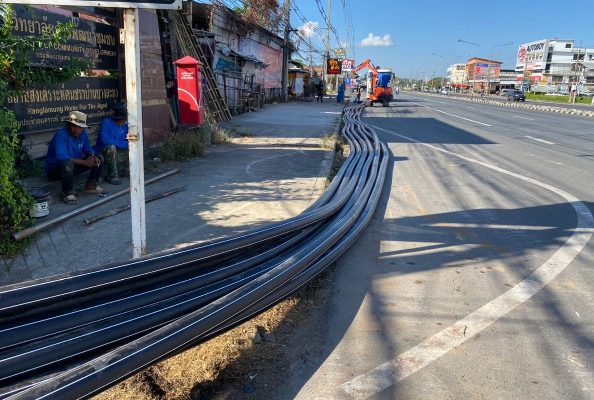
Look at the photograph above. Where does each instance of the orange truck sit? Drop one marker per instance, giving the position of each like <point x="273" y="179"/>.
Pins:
<point x="381" y="91"/>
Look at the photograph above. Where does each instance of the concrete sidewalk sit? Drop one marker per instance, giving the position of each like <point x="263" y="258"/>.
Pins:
<point x="272" y="170"/>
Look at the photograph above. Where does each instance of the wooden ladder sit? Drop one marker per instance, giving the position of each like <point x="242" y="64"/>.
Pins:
<point x="215" y="107"/>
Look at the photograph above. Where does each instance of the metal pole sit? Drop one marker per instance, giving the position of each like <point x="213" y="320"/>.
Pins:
<point x="135" y="145"/>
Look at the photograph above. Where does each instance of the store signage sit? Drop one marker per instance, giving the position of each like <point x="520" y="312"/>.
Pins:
<point x="532" y="55"/>
<point x="340" y="53"/>
<point x="334" y="66"/>
<point x="348" y="64"/>
<point x="154" y="4"/>
<point x="90" y="41"/>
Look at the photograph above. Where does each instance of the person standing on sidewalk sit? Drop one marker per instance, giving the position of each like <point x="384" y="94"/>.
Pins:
<point x="320" y="87"/>
<point x="69" y="153"/>
<point x="112" y="137"/>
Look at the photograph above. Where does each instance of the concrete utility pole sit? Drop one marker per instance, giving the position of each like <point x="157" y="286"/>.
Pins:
<point x="327" y="55"/>
<point x="285" y="78"/>
<point x="133" y="94"/>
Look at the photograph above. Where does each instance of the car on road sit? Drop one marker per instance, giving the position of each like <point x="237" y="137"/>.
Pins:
<point x="516" y="95"/>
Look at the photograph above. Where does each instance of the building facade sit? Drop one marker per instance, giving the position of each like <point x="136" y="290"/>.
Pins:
<point x="555" y="66"/>
<point x="457" y="76"/>
<point x="483" y="74"/>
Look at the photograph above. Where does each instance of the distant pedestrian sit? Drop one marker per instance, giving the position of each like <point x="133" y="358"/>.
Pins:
<point x="358" y="100"/>
<point x="320" y="87"/>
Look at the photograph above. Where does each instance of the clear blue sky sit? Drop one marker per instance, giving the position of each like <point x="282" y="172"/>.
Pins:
<point x="418" y="28"/>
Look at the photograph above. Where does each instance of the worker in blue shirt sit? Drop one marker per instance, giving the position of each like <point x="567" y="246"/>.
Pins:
<point x="112" y="137"/>
<point x="69" y="153"/>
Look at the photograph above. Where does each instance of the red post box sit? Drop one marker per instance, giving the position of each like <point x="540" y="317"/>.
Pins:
<point x="189" y="91"/>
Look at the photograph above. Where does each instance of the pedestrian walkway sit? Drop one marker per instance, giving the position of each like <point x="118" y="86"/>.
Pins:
<point x="272" y="169"/>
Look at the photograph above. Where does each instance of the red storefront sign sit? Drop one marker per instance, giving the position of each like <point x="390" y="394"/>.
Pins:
<point x="189" y="91"/>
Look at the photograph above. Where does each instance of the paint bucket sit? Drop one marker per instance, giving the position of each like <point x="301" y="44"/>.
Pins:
<point x="40" y="206"/>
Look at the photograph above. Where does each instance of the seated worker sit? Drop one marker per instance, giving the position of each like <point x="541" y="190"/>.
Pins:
<point x="111" y="138"/>
<point x="69" y="153"/>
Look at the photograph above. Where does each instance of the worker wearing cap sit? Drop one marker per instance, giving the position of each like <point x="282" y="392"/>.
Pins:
<point x="112" y="137"/>
<point x="69" y="153"/>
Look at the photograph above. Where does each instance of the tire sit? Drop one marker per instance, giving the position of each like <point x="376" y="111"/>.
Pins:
<point x="385" y="103"/>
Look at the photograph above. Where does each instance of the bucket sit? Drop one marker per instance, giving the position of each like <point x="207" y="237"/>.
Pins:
<point x="41" y="197"/>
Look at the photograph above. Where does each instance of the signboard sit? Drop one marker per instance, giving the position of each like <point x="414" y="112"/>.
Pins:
<point x="333" y="67"/>
<point x="45" y="106"/>
<point x="532" y="55"/>
<point x="154" y="4"/>
<point x="339" y="53"/>
<point x="348" y="64"/>
<point x="91" y="41"/>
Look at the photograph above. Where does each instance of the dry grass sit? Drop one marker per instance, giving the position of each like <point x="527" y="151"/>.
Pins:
<point x="215" y="367"/>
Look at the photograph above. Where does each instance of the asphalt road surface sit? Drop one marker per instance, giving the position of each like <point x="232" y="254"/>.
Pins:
<point x="476" y="278"/>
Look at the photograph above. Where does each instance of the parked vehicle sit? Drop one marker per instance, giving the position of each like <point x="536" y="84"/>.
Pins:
<point x="516" y="95"/>
<point x="380" y="90"/>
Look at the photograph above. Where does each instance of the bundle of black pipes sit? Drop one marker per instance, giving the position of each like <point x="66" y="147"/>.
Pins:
<point x="72" y="336"/>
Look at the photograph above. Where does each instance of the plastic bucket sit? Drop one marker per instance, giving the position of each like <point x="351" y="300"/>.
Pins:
<point x="40" y="206"/>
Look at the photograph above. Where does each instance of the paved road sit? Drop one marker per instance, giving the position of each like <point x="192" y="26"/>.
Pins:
<point x="475" y="279"/>
<point x="578" y="106"/>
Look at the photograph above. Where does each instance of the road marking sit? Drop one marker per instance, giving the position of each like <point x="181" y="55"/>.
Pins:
<point x="539" y="140"/>
<point x="529" y="119"/>
<point x="493" y="226"/>
<point x="452" y="115"/>
<point x="418" y="357"/>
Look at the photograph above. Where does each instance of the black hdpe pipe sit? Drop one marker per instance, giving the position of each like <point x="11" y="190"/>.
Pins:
<point x="220" y="309"/>
<point x="331" y="229"/>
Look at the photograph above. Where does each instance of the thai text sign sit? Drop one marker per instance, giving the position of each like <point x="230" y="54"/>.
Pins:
<point x="532" y="55"/>
<point x="45" y="106"/>
<point x="334" y="66"/>
<point x="155" y="4"/>
<point x="348" y="64"/>
<point x="91" y="41"/>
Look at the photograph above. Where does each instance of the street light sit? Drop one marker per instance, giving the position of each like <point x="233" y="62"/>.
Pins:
<point x="464" y="41"/>
<point x="468" y="77"/>
<point x="444" y="65"/>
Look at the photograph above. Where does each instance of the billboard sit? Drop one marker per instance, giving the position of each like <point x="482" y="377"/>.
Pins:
<point x="532" y="55"/>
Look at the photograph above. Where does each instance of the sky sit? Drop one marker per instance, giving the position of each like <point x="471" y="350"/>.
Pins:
<point x="418" y="37"/>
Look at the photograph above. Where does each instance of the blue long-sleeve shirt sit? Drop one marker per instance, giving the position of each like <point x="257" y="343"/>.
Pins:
<point x="64" y="146"/>
<point x="111" y="133"/>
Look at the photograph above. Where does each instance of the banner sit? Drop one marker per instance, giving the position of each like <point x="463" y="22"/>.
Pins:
<point x="90" y="41"/>
<point x="333" y="67"/>
<point x="45" y="106"/>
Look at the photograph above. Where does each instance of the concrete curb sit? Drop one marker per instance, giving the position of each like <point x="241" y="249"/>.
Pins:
<point x="538" y="107"/>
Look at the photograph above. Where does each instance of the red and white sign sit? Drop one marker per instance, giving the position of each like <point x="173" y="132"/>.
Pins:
<point x="532" y="55"/>
<point x="348" y="64"/>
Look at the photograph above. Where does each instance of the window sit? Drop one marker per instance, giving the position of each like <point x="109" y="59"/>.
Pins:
<point x="568" y="45"/>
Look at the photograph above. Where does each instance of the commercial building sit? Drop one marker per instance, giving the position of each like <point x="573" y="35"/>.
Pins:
<point x="457" y="76"/>
<point x="483" y="74"/>
<point x="555" y="66"/>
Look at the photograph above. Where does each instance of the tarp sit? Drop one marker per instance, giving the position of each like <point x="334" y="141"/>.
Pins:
<point x="383" y="79"/>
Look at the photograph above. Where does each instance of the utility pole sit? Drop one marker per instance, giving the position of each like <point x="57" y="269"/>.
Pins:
<point x="310" y="58"/>
<point x="285" y="78"/>
<point x="327" y="55"/>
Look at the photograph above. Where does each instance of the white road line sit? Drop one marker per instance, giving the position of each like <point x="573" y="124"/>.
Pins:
<point x="529" y="119"/>
<point x="411" y="361"/>
<point x="452" y="115"/>
<point x="539" y="140"/>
